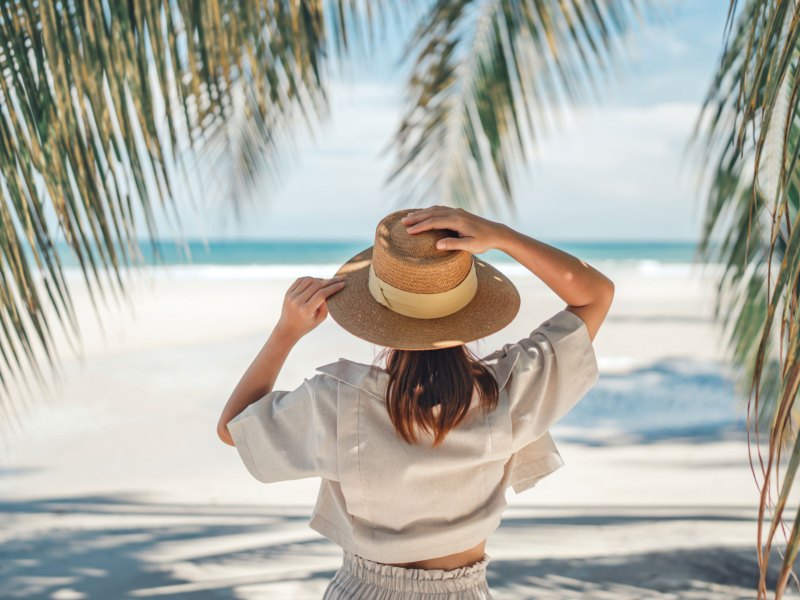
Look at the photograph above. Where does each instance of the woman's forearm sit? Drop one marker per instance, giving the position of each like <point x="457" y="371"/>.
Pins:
<point x="573" y="280"/>
<point x="586" y="290"/>
<point x="303" y="309"/>
<point x="259" y="378"/>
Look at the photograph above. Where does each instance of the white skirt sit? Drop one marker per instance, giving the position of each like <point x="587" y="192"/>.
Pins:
<point x="359" y="578"/>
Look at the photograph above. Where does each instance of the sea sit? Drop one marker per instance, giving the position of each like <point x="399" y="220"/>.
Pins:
<point x="285" y="258"/>
<point x="675" y="397"/>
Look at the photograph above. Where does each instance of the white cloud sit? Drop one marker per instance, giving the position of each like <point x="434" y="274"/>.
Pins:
<point x="608" y="172"/>
<point x="615" y="174"/>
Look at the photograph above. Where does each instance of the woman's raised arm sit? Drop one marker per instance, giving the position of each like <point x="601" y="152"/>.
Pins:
<point x="303" y="309"/>
<point x="587" y="292"/>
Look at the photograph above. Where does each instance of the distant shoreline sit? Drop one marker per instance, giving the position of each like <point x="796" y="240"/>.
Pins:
<point x="643" y="269"/>
<point x="286" y="252"/>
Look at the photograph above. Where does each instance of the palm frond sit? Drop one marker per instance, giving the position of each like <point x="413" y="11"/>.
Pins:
<point x="751" y="135"/>
<point x="488" y="81"/>
<point x="106" y="111"/>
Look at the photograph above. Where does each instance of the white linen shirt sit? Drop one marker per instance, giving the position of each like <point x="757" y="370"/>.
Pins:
<point x="392" y="502"/>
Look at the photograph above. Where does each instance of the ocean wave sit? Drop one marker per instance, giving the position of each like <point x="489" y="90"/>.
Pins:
<point x="647" y="268"/>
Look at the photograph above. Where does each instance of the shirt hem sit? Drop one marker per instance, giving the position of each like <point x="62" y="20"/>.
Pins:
<point x="345" y="541"/>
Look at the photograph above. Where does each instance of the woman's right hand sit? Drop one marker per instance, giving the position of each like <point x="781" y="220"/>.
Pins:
<point x="476" y="234"/>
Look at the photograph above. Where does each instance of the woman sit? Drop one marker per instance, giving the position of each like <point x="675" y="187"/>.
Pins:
<point x="415" y="458"/>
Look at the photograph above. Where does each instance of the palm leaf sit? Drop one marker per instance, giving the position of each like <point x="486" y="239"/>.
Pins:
<point x="106" y="111"/>
<point x="751" y="136"/>
<point x="489" y="77"/>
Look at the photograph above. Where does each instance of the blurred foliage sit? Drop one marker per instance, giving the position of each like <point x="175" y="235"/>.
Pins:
<point x="748" y="133"/>
<point x="489" y="79"/>
<point x="105" y="109"/>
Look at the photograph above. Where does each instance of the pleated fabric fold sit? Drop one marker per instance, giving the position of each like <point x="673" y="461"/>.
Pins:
<point x="360" y="579"/>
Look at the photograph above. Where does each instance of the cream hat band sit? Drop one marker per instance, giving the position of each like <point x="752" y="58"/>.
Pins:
<point x="424" y="306"/>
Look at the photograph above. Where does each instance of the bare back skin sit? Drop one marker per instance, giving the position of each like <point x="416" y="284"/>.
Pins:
<point x="449" y="562"/>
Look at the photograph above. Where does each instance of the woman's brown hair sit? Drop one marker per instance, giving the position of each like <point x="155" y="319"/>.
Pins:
<point x="421" y="379"/>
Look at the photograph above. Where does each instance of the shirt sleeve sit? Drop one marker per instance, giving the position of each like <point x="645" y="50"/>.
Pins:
<point x="555" y="366"/>
<point x="533" y="463"/>
<point x="289" y="434"/>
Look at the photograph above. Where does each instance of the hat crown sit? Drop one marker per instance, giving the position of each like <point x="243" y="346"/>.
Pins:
<point x="412" y="262"/>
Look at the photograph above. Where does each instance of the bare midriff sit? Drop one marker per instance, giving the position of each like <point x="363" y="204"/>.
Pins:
<point x="449" y="562"/>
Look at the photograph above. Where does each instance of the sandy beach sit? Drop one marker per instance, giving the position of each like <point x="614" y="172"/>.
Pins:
<point x="119" y="487"/>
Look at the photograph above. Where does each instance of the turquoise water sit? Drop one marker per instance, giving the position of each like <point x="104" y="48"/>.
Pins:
<point x="224" y="252"/>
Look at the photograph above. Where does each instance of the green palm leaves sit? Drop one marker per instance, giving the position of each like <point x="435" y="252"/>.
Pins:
<point x="488" y="79"/>
<point x="103" y="104"/>
<point x="753" y="127"/>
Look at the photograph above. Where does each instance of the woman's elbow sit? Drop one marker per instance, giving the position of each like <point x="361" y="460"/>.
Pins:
<point x="608" y="291"/>
<point x="603" y="291"/>
<point x="224" y="434"/>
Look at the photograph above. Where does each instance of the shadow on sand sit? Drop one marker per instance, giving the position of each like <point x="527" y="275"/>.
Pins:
<point x="105" y="547"/>
<point x="672" y="400"/>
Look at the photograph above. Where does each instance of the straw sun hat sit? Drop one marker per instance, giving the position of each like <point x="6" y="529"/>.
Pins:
<point x="405" y="293"/>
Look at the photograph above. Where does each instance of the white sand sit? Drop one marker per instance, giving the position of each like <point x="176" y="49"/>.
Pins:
<point x="121" y="488"/>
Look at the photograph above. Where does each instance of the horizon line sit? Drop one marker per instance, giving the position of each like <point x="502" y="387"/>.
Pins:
<point x="369" y="242"/>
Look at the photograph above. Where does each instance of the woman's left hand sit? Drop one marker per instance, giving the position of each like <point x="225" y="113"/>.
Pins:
<point x="304" y="304"/>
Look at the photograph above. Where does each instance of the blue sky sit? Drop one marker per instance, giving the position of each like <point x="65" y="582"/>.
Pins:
<point x="615" y="170"/>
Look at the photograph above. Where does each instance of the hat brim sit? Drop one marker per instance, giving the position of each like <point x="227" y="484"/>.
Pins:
<point x="494" y="306"/>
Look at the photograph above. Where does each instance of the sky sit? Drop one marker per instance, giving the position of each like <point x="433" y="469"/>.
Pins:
<point x="616" y="170"/>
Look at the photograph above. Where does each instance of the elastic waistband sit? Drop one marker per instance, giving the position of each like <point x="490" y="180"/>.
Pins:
<point x="425" y="580"/>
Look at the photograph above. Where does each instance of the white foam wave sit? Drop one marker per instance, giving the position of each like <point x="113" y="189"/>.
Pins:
<point x="640" y="268"/>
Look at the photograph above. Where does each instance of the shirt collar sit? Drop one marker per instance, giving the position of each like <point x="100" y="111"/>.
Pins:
<point x="373" y="379"/>
<point x="367" y="378"/>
